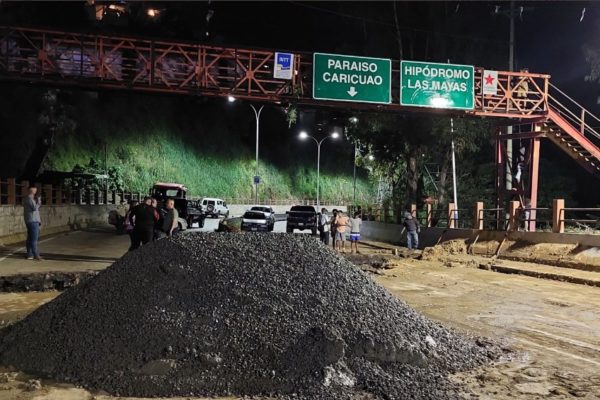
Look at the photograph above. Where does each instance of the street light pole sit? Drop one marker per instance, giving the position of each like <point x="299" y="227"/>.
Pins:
<point x="354" y="182"/>
<point x="257" y="115"/>
<point x="304" y="135"/>
<point x="319" y="171"/>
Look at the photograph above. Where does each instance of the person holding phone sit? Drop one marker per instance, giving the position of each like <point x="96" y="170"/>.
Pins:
<point x="31" y="214"/>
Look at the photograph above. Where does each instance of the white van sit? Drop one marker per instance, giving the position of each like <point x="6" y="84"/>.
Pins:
<point x="214" y="207"/>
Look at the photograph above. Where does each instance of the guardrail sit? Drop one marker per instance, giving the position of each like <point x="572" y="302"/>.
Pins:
<point x="588" y="224"/>
<point x="514" y="218"/>
<point x="13" y="192"/>
<point x="283" y="202"/>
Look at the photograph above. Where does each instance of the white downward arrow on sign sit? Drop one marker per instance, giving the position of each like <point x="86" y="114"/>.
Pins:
<point x="352" y="92"/>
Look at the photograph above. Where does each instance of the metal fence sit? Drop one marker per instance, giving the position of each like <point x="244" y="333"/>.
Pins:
<point x="12" y="192"/>
<point x="557" y="219"/>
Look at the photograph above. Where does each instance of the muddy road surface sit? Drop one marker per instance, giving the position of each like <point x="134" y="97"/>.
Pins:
<point x="553" y="328"/>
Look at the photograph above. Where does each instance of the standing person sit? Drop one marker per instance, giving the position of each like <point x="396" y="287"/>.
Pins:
<point x="31" y="215"/>
<point x="413" y="228"/>
<point x="129" y="222"/>
<point x="332" y="226"/>
<point x="324" y="226"/>
<point x="169" y="221"/>
<point x="355" y="224"/>
<point x="341" y="222"/>
<point x="158" y="218"/>
<point x="145" y="218"/>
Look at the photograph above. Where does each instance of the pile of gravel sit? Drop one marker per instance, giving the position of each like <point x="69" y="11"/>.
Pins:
<point x="239" y="314"/>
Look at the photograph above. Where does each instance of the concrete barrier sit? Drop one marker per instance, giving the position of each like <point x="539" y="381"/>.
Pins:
<point x="393" y="233"/>
<point x="58" y="218"/>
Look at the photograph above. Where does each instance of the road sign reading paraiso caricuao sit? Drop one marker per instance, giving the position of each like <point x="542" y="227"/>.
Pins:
<point x="351" y="78"/>
<point x="436" y="85"/>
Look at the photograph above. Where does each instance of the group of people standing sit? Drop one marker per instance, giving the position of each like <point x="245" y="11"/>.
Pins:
<point x="337" y="226"/>
<point x="146" y="222"/>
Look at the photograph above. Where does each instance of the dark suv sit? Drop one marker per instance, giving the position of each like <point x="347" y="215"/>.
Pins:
<point x="188" y="210"/>
<point x="302" y="218"/>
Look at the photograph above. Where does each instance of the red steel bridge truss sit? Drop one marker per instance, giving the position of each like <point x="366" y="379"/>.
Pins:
<point x="117" y="62"/>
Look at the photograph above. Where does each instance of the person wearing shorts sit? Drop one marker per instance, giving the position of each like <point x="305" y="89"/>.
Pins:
<point x="355" y="232"/>
<point x="341" y="222"/>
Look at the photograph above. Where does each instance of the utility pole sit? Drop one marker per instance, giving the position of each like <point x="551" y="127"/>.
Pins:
<point x="354" y="184"/>
<point x="454" y="188"/>
<point x="511" y="13"/>
<point x="511" y="68"/>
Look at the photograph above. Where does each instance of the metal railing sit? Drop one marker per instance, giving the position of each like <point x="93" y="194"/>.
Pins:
<point x="493" y="218"/>
<point x="589" y="223"/>
<point x="540" y="216"/>
<point x="574" y="112"/>
<point x="12" y="193"/>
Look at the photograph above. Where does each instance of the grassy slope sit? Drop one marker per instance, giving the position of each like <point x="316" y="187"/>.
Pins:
<point x="144" y="143"/>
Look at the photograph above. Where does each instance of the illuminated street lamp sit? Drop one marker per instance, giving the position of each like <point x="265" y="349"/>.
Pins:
<point x="257" y="113"/>
<point x="152" y="12"/>
<point x="371" y="157"/>
<point x="303" y="135"/>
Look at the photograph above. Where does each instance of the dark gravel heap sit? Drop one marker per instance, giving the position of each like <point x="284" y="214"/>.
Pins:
<point x="241" y="314"/>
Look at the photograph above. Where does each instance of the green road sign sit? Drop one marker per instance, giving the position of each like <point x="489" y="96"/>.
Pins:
<point x="437" y="85"/>
<point x="350" y="78"/>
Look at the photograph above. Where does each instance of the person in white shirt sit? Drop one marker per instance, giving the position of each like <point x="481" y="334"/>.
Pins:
<point x="355" y="224"/>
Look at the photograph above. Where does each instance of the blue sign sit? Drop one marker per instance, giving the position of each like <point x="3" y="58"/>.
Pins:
<point x="284" y="66"/>
<point x="256" y="179"/>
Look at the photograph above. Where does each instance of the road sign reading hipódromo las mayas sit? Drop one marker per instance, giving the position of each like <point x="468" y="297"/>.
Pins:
<point x="436" y="85"/>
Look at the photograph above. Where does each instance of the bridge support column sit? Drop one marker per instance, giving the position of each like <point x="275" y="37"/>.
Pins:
<point x="535" y="170"/>
<point x="478" y="217"/>
<point x="24" y="188"/>
<point x="451" y="216"/>
<point x="558" y="216"/>
<point x="12" y="191"/>
<point x="513" y="212"/>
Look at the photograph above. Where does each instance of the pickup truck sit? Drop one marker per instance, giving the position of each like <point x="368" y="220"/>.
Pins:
<point x="302" y="218"/>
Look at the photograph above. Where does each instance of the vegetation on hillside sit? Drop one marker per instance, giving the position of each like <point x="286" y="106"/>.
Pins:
<point x="140" y="140"/>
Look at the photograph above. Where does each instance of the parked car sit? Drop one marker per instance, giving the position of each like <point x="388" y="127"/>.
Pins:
<point x="302" y="218"/>
<point x="190" y="212"/>
<point x="215" y="207"/>
<point x="269" y="213"/>
<point x="255" y="221"/>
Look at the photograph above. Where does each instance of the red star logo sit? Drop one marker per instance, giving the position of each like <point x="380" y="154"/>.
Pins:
<point x="489" y="80"/>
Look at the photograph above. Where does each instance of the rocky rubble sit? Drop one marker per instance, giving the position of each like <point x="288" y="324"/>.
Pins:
<point x="239" y="314"/>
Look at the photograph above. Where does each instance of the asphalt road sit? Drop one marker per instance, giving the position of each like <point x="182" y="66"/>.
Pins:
<point x="211" y="224"/>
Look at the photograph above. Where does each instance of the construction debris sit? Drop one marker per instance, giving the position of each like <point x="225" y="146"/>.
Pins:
<point x="229" y="314"/>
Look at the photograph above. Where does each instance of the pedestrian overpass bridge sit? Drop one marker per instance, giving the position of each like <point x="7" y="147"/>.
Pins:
<point x="99" y="61"/>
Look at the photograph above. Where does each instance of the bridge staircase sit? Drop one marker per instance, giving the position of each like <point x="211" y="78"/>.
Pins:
<point x="570" y="127"/>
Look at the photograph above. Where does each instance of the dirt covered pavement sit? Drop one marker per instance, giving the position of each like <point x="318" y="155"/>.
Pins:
<point x="552" y="326"/>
